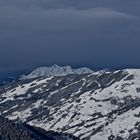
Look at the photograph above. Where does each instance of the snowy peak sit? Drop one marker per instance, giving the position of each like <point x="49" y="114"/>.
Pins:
<point x="56" y="70"/>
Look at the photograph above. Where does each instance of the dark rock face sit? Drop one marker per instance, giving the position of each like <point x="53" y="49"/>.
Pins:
<point x="12" y="131"/>
<point x="101" y="105"/>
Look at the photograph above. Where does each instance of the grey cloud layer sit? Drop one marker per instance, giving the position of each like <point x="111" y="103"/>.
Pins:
<point x="59" y="18"/>
<point x="87" y="32"/>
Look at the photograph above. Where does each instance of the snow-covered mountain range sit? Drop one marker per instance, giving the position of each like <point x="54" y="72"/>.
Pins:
<point x="56" y="70"/>
<point x="91" y="105"/>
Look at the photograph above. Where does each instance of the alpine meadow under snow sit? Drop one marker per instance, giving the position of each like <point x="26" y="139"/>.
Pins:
<point x="87" y="104"/>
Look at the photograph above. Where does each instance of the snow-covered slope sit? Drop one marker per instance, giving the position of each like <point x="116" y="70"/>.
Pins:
<point x="56" y="70"/>
<point x="93" y="106"/>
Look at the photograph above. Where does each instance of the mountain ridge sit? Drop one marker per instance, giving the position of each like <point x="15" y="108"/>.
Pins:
<point x="56" y="70"/>
<point x="99" y="105"/>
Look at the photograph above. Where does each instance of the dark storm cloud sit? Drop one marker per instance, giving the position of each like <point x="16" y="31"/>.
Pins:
<point x="86" y="32"/>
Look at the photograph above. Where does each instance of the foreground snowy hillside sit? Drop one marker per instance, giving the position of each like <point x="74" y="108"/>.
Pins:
<point x="93" y="106"/>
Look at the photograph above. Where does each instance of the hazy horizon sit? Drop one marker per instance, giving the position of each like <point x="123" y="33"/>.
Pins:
<point x="4" y="74"/>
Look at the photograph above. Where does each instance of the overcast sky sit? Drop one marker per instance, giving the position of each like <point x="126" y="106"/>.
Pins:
<point x="93" y="33"/>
